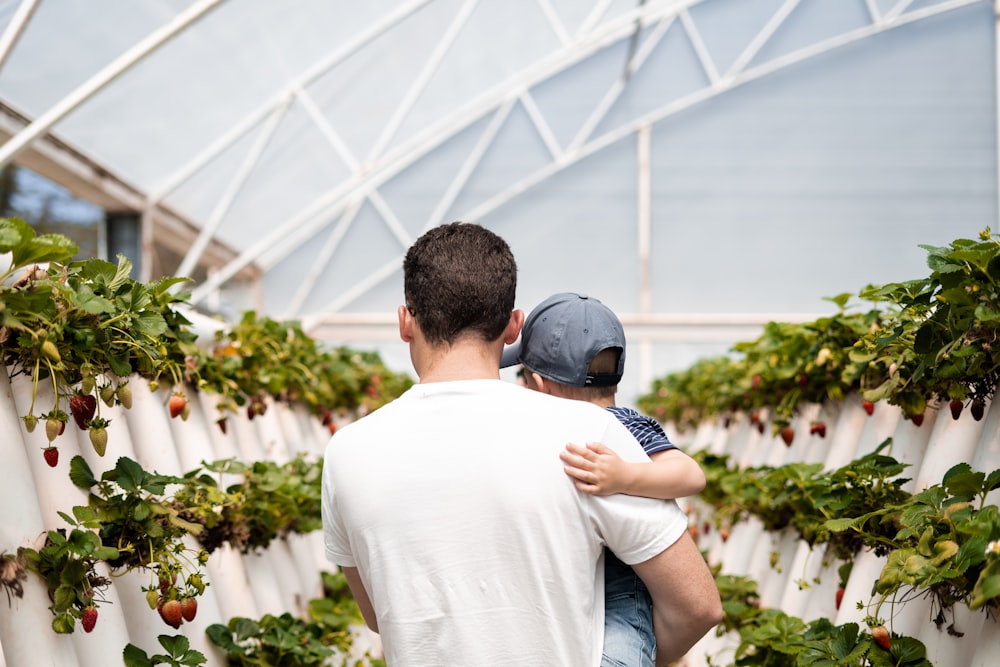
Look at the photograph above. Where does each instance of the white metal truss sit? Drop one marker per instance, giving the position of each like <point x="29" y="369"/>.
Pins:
<point x="16" y="28"/>
<point x="287" y="235"/>
<point x="109" y="73"/>
<point x="343" y="202"/>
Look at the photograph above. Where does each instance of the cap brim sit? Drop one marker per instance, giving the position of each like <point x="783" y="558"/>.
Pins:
<point x="511" y="355"/>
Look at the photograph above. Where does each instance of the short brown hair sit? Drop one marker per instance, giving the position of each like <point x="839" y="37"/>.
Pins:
<point x="459" y="279"/>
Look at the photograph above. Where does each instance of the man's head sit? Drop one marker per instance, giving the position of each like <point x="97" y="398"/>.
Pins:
<point x="575" y="341"/>
<point x="459" y="279"/>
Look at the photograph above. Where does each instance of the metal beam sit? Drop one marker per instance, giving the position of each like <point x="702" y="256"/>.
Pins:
<point x="106" y="75"/>
<point x="15" y="29"/>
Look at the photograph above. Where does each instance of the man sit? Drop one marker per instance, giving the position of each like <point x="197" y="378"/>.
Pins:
<point x="461" y="537"/>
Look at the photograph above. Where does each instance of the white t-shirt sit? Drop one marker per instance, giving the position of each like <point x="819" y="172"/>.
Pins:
<point x="471" y="540"/>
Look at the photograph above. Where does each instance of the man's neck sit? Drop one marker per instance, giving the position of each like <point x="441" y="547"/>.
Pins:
<point x="461" y="361"/>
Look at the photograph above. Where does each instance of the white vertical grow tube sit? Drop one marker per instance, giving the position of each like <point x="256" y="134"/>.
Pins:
<point x="25" y="634"/>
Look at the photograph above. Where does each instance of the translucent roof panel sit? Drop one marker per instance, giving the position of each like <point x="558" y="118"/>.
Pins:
<point x="677" y="158"/>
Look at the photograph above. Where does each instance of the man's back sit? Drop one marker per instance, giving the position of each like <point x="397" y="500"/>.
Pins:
<point x="489" y="555"/>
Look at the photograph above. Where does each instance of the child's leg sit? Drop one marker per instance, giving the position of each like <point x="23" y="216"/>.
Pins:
<point x="628" y="620"/>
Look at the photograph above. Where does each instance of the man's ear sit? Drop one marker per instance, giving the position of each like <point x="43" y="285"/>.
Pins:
<point x="405" y="324"/>
<point x="513" y="329"/>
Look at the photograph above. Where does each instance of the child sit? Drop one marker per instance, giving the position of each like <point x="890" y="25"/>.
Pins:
<point x="574" y="346"/>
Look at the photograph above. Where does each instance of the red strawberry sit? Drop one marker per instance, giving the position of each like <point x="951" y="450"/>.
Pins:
<point x="818" y="428"/>
<point x="755" y="381"/>
<point x="787" y="434"/>
<point x="869" y="407"/>
<point x="51" y="455"/>
<point x="918" y="419"/>
<point x="956" y="408"/>
<point x="724" y="534"/>
<point x="223" y="424"/>
<point x="840" y="597"/>
<point x="176" y="404"/>
<point x="189" y="607"/>
<point x="82" y="407"/>
<point x="760" y="427"/>
<point x="327" y="418"/>
<point x="89" y="618"/>
<point x="977" y="409"/>
<point x="881" y="636"/>
<point x="754" y="417"/>
<point x="803" y="380"/>
<point x="333" y="427"/>
<point x="170" y="612"/>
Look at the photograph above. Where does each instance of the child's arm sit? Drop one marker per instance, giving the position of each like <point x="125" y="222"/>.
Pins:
<point x="598" y="470"/>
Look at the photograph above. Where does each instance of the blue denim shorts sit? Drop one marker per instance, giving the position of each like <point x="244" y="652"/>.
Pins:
<point x="628" y="617"/>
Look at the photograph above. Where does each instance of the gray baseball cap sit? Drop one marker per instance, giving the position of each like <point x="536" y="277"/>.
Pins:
<point x="560" y="337"/>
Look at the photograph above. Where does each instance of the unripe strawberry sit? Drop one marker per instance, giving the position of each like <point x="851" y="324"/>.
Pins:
<point x="107" y="393"/>
<point x="124" y="394"/>
<point x="53" y="428"/>
<point x="51" y="352"/>
<point x="99" y="439"/>
<point x="30" y="421"/>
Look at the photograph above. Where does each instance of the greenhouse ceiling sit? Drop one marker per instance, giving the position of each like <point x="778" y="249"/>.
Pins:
<point x="702" y="166"/>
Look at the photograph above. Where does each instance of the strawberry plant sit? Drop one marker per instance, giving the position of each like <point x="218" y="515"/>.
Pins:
<point x="82" y="325"/>
<point x="269" y="502"/>
<point x="67" y="563"/>
<point x="938" y="345"/>
<point x="86" y="328"/>
<point x="772" y="637"/>
<point x="178" y="653"/>
<point x="324" y="638"/>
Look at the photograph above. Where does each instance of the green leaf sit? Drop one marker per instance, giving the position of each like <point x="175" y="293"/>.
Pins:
<point x="908" y="650"/>
<point x="106" y="553"/>
<point x="150" y="324"/>
<point x="130" y="475"/>
<point x="222" y="637"/>
<point x="80" y="473"/>
<point x="175" y="645"/>
<point x="63" y="623"/>
<point x="133" y="656"/>
<point x="987" y="586"/>
<point x="13" y="232"/>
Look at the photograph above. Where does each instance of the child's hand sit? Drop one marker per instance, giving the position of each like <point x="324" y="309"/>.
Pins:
<point x="595" y="468"/>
